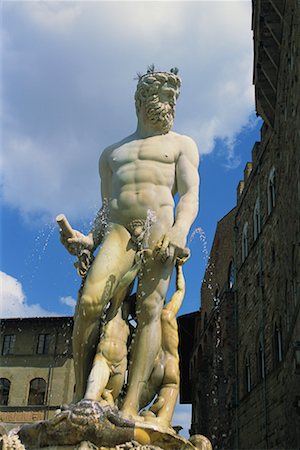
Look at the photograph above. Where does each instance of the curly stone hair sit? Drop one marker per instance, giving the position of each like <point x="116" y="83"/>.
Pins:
<point x="149" y="85"/>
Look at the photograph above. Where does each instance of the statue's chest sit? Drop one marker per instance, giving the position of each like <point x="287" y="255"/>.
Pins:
<point x="143" y="152"/>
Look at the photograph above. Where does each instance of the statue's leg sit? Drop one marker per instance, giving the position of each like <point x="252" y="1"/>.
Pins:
<point x="113" y="260"/>
<point x="152" y="289"/>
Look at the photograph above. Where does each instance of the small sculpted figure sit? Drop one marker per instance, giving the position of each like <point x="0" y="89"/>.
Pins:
<point x="140" y="176"/>
<point x="164" y="380"/>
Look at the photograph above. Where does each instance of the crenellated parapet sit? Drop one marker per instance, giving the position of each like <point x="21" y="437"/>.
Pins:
<point x="267" y="25"/>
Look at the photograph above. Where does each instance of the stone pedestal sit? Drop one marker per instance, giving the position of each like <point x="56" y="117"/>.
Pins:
<point x="89" y="425"/>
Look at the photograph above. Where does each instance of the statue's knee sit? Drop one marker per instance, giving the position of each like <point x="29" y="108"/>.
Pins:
<point x="88" y="306"/>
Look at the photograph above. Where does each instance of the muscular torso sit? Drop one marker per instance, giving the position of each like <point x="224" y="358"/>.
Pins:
<point x="143" y="179"/>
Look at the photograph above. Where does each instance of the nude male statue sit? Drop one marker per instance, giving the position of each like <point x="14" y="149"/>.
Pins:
<point x="140" y="174"/>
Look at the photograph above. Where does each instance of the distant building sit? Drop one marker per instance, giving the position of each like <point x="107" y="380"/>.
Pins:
<point x="212" y="362"/>
<point x="36" y="368"/>
<point x="244" y="369"/>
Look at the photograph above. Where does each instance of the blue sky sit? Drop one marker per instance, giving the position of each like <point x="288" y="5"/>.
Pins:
<point x="67" y="82"/>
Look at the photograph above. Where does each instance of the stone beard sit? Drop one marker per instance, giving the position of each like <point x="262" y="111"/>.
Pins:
<point x="159" y="112"/>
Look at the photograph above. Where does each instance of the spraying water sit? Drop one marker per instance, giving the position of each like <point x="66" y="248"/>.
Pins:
<point x="150" y="220"/>
<point x="205" y="254"/>
<point x="41" y="243"/>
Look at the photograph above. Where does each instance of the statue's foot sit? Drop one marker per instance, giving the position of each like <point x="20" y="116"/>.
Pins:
<point x="159" y="422"/>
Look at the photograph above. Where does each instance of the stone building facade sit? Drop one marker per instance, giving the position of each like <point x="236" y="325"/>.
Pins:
<point x="245" y="367"/>
<point x="36" y="368"/>
<point x="212" y="366"/>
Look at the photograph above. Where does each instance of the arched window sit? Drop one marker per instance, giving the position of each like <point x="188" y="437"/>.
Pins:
<point x="245" y="242"/>
<point x="205" y="320"/>
<point x="256" y="219"/>
<point x="278" y="351"/>
<point x="37" y="391"/>
<point x="248" y="380"/>
<point x="261" y="361"/>
<point x="205" y="346"/>
<point x="4" y="391"/>
<point x="199" y="356"/>
<point x="271" y="190"/>
<point x="296" y="273"/>
<point x="231" y="275"/>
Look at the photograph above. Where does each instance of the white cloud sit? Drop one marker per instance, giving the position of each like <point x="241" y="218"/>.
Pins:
<point x="42" y="176"/>
<point x="14" y="302"/>
<point x="69" y="301"/>
<point x="68" y="88"/>
<point x="54" y="16"/>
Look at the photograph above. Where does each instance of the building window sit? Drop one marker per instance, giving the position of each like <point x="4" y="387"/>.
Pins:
<point x="43" y="344"/>
<point x="273" y="255"/>
<point x="271" y="191"/>
<point x="278" y="352"/>
<point x="295" y="288"/>
<point x="191" y="368"/>
<point x="245" y="242"/>
<point x="37" y="391"/>
<point x="231" y="277"/>
<point x="297" y="356"/>
<point x="199" y="357"/>
<point x="8" y="344"/>
<point x="261" y="361"/>
<point x="4" y="391"/>
<point x="295" y="269"/>
<point x="256" y="220"/>
<point x="247" y="375"/>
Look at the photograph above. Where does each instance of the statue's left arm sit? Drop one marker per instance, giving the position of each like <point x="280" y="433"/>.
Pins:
<point x="187" y="181"/>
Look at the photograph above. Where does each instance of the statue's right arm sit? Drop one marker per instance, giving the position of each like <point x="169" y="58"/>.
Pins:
<point x="76" y="243"/>
<point x="101" y="221"/>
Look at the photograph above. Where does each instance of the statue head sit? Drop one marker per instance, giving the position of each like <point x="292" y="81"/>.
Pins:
<point x="157" y="93"/>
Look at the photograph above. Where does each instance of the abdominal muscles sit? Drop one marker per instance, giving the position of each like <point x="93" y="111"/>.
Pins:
<point x="136" y="201"/>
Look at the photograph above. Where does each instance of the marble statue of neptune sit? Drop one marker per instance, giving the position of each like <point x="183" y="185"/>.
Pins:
<point x="140" y="176"/>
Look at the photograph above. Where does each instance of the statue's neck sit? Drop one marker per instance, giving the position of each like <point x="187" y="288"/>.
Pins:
<point x="145" y="128"/>
<point x="143" y="132"/>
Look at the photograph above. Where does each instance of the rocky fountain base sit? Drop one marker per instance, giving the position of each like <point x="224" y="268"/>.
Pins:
<point x="90" y="425"/>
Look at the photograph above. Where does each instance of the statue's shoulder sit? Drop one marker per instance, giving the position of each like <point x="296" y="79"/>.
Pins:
<point x="104" y="159"/>
<point x="183" y="139"/>
<point x="109" y="149"/>
<point x="186" y="146"/>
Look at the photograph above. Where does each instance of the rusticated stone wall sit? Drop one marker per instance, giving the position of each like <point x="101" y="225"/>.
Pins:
<point x="260" y="406"/>
<point x="212" y="362"/>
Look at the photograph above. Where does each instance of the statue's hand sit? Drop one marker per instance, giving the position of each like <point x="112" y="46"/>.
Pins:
<point x="77" y="242"/>
<point x="166" y="247"/>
